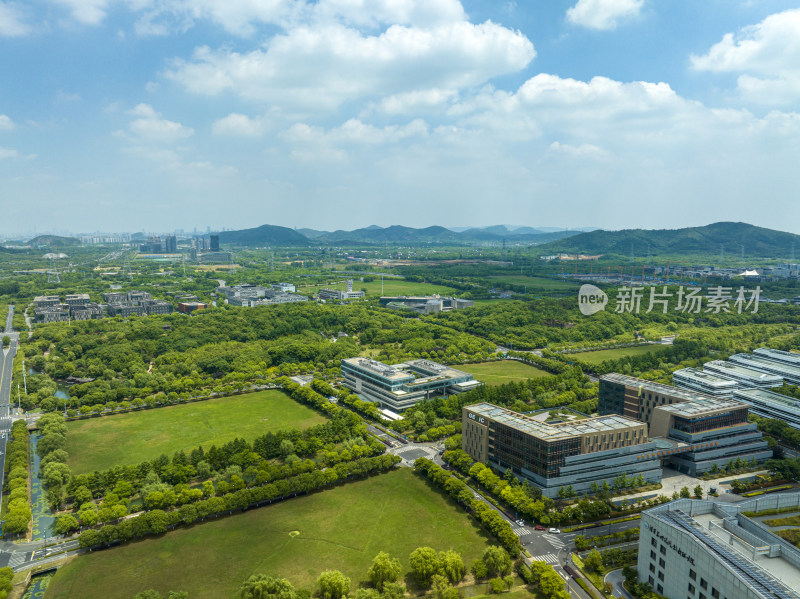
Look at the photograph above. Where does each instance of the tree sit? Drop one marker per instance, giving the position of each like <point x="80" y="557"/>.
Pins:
<point x="685" y="493"/>
<point x="383" y="569"/>
<point x="594" y="561"/>
<point x="452" y="565"/>
<point x="66" y="524"/>
<point x="497" y="561"/>
<point x="261" y="586"/>
<point x="424" y="563"/>
<point x="442" y="589"/>
<point x="333" y="584"/>
<point x="698" y="491"/>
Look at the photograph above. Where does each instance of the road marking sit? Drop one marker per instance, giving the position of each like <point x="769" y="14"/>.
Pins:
<point x="553" y="541"/>
<point x="17" y="559"/>
<point x="548" y="558"/>
<point x="520" y="531"/>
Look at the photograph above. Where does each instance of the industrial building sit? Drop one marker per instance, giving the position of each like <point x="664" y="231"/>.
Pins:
<point x="426" y="304"/>
<point x="788" y="372"/>
<point x="704" y="430"/>
<point x="400" y="386"/>
<point x="769" y="404"/>
<point x="699" y="549"/>
<point x="695" y="379"/>
<point x="336" y="294"/>
<point x="554" y="456"/>
<point x="745" y="376"/>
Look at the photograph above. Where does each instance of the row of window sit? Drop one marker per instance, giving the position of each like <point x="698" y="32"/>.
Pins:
<point x="694" y="591"/>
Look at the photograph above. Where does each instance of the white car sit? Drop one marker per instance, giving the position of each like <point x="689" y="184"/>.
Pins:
<point x="554" y="530"/>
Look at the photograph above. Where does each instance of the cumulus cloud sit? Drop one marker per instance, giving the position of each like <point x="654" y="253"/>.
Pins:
<point x="603" y="14"/>
<point x="6" y="124"/>
<point x="767" y="54"/>
<point x="88" y="12"/>
<point x="240" y="125"/>
<point x="12" y="23"/>
<point x="8" y="153"/>
<point x="326" y="66"/>
<point x="149" y="126"/>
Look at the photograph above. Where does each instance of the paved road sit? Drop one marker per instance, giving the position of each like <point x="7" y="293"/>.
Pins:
<point x="615" y="578"/>
<point x="6" y="364"/>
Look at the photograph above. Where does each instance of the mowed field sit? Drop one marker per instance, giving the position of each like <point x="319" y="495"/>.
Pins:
<point x="341" y="529"/>
<point x="595" y="357"/>
<point x="390" y="287"/>
<point x="502" y="371"/>
<point x="99" y="443"/>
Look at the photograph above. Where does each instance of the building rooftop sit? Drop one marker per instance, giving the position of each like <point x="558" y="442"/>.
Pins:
<point x="778" y="355"/>
<point x="769" y="397"/>
<point x="551" y="432"/>
<point x="703" y="405"/>
<point x="706" y="378"/>
<point x="762" y="362"/>
<point x="654" y="387"/>
<point x="738" y="371"/>
<point x="389" y="372"/>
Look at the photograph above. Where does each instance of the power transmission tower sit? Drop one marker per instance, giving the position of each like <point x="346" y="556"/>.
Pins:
<point x="52" y="275"/>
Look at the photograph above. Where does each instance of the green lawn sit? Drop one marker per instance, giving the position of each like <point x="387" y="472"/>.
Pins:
<point x="103" y="442"/>
<point x="502" y="371"/>
<point x="595" y="357"/>
<point x="341" y="529"/>
<point x="535" y="283"/>
<point x="390" y="287"/>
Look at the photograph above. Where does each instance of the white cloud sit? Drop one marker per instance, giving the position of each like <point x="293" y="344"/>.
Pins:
<point x="326" y="66"/>
<point x="149" y="126"/>
<point x="420" y="13"/>
<point x="8" y="153"/>
<point x="767" y="55"/>
<point x="415" y="102"/>
<point x="240" y="125"/>
<point x="6" y="124"/>
<point x="88" y="12"/>
<point x="12" y="23"/>
<point x="603" y="14"/>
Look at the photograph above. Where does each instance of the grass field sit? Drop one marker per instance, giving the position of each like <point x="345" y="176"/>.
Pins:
<point x="99" y="443"/>
<point x="502" y="371"/>
<point x="340" y="529"/>
<point x="595" y="357"/>
<point x="534" y="283"/>
<point x="390" y="287"/>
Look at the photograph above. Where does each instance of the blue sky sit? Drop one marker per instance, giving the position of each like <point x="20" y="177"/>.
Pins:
<point x="154" y="115"/>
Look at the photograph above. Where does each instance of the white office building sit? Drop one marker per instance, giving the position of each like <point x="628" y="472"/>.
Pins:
<point x="695" y="379"/>
<point x="746" y="377"/>
<point x="699" y="549"/>
<point x="778" y="355"/>
<point x="789" y="372"/>
<point x="769" y="404"/>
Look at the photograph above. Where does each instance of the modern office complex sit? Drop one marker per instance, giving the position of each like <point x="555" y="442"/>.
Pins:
<point x="769" y="404"/>
<point x="336" y="294"/>
<point x="695" y="379"/>
<point x="704" y="430"/>
<point x="746" y="377"/>
<point x="49" y="308"/>
<point x="554" y="456"/>
<point x="250" y="296"/>
<point x="788" y="372"/>
<point x="696" y="549"/>
<point x="426" y="304"/>
<point x="400" y="386"/>
<point x="778" y="355"/>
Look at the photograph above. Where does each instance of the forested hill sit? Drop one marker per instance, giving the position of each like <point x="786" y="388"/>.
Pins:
<point x="264" y="235"/>
<point x="53" y="241"/>
<point x="726" y="236"/>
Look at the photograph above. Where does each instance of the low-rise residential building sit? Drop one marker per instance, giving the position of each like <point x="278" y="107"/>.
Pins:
<point x="46" y="301"/>
<point x="699" y="549"/>
<point x="77" y="299"/>
<point x="400" y="386"/>
<point x="552" y="457"/>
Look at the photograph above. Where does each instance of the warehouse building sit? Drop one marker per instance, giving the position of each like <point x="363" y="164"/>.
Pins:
<point x="705" y="430"/>
<point x="695" y="379"/>
<point x="400" y="386"/>
<point x="698" y="549"/>
<point x="555" y="456"/>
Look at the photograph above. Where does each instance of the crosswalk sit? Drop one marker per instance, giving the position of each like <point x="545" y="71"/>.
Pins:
<point x="554" y="541"/>
<point x="519" y="531"/>
<point x="17" y="559"/>
<point x="547" y="558"/>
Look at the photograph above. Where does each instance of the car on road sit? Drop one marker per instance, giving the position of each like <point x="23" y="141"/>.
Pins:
<point x="521" y="522"/>
<point x="539" y="527"/>
<point x="554" y="531"/>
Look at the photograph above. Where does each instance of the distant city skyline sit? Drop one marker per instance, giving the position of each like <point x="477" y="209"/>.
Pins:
<point x="137" y="115"/>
